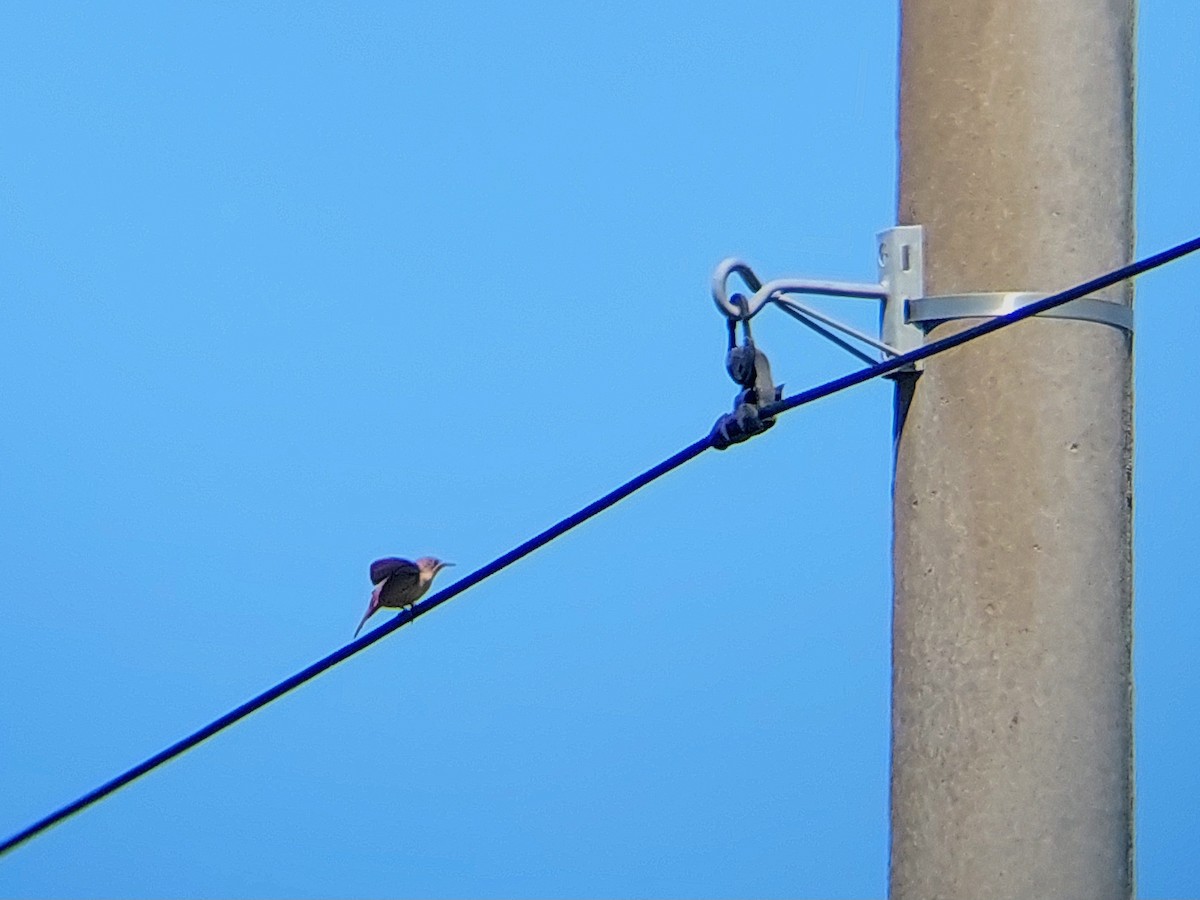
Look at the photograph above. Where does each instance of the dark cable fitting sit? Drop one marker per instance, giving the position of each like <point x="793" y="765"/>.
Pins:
<point x="748" y="367"/>
<point x="743" y="423"/>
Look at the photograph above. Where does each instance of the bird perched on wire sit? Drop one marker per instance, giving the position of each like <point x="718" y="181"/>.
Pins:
<point x="400" y="583"/>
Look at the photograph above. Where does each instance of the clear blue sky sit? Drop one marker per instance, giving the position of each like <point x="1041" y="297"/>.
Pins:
<point x="285" y="287"/>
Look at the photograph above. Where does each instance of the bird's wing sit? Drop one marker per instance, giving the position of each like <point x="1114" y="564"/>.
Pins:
<point x="401" y="587"/>
<point x="390" y="566"/>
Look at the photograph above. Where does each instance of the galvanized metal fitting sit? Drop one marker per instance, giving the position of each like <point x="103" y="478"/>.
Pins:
<point x="928" y="311"/>
<point x="906" y="314"/>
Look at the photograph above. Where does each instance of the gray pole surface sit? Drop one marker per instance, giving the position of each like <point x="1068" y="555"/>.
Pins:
<point x="1012" y="687"/>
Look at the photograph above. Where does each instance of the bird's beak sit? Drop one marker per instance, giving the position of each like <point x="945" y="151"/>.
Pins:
<point x="444" y="565"/>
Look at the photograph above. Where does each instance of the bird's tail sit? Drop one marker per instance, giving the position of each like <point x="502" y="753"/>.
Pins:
<point x="371" y="607"/>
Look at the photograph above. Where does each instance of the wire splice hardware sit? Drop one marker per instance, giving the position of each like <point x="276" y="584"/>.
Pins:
<point x="748" y="367"/>
<point x="900" y="280"/>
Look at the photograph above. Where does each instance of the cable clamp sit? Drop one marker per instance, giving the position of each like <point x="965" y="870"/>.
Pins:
<point x="747" y="366"/>
<point x="740" y="425"/>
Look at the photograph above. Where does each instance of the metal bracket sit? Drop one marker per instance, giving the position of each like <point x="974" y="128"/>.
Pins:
<point x="925" y="312"/>
<point x="748" y="365"/>
<point x="901" y="278"/>
<point x="902" y="274"/>
<point x="906" y="313"/>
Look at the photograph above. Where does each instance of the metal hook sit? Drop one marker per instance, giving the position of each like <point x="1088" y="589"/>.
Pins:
<point x="765" y="293"/>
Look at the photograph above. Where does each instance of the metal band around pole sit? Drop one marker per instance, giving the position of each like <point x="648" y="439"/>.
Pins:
<point x="928" y="310"/>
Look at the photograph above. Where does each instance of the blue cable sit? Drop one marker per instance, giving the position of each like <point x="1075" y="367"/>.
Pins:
<point x="558" y="529"/>
<point x="355" y="646"/>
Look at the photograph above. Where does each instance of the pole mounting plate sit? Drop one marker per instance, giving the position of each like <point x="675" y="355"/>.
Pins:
<point x="902" y="275"/>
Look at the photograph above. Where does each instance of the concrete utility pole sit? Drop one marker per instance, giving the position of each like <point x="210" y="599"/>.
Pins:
<point x="1012" y="687"/>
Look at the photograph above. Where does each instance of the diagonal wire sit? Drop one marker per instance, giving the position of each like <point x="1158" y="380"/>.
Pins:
<point x="826" y="333"/>
<point x="796" y="310"/>
<point x="564" y="525"/>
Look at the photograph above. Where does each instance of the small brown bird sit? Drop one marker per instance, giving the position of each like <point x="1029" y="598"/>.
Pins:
<point x="400" y="583"/>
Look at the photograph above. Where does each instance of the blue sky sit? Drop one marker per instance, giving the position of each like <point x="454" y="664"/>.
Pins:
<point x="284" y="288"/>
